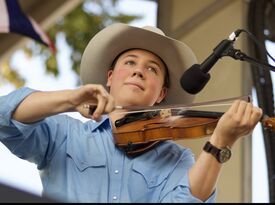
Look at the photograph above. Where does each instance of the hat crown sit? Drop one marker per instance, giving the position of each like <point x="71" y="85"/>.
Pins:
<point x="154" y="29"/>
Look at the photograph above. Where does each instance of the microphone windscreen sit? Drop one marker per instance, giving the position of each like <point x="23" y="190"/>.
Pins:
<point x="194" y="79"/>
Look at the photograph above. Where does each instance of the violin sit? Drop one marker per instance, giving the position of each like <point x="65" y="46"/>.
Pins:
<point x="138" y="132"/>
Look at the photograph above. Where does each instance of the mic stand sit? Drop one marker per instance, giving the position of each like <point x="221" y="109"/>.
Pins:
<point x="238" y="55"/>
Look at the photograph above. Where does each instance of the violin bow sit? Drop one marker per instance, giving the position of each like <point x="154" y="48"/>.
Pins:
<point x="136" y="109"/>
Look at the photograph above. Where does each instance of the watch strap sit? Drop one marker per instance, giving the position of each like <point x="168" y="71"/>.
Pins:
<point x="219" y="154"/>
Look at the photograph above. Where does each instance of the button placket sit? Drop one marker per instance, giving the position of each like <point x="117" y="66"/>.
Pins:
<point x="116" y="176"/>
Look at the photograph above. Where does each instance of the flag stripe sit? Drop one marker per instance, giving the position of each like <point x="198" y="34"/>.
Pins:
<point x="41" y="33"/>
<point x="4" y="20"/>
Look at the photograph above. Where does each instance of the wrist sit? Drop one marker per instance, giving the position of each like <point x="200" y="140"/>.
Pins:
<point x="60" y="101"/>
<point x="70" y="103"/>
<point x="220" y="141"/>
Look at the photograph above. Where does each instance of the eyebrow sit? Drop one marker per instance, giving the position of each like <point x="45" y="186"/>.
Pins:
<point x="151" y="61"/>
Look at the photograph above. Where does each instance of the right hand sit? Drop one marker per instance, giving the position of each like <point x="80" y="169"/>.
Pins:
<point x="95" y="95"/>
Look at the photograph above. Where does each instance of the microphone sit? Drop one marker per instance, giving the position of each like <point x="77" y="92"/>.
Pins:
<point x="195" y="78"/>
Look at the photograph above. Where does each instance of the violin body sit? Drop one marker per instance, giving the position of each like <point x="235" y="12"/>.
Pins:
<point x="164" y="128"/>
<point x="139" y="133"/>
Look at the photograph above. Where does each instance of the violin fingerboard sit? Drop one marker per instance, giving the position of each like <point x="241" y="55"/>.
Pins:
<point x="198" y="113"/>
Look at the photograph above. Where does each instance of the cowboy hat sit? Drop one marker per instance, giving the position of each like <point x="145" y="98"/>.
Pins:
<point x="104" y="47"/>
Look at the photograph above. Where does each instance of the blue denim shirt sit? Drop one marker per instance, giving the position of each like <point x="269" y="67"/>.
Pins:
<point x="79" y="162"/>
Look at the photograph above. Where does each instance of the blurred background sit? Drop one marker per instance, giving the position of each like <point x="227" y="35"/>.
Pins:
<point x="201" y="24"/>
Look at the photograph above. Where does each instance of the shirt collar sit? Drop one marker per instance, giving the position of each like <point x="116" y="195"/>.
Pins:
<point x="104" y="121"/>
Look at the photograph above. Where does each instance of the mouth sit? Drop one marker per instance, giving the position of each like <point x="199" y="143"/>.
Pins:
<point x="135" y="84"/>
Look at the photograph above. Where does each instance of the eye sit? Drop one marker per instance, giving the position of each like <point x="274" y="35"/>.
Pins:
<point x="153" y="69"/>
<point x="129" y="62"/>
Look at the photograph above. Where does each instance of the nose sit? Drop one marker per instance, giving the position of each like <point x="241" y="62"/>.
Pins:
<point x="138" y="73"/>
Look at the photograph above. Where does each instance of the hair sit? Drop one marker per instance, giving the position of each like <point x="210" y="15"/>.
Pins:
<point x="166" y="82"/>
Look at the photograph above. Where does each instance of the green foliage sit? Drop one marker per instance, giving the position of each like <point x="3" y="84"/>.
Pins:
<point x="7" y="73"/>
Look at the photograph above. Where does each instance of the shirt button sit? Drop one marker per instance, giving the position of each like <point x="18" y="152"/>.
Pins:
<point x="114" y="197"/>
<point x="116" y="171"/>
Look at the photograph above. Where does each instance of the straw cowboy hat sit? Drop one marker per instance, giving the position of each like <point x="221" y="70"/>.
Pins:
<point x="104" y="47"/>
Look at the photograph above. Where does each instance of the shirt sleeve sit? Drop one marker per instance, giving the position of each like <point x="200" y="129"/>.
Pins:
<point x="35" y="142"/>
<point x="182" y="194"/>
<point x="177" y="188"/>
<point x="9" y="103"/>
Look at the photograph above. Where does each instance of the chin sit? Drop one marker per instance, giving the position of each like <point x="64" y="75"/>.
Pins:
<point x="131" y="102"/>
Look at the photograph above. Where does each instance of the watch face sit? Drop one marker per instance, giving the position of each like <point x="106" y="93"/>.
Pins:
<point x="224" y="155"/>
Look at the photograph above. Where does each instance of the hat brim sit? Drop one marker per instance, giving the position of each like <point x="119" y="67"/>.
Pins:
<point x="104" y="47"/>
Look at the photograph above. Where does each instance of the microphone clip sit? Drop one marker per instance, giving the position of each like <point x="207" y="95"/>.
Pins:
<point x="237" y="54"/>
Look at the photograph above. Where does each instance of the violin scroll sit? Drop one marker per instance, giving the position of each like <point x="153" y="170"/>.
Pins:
<point x="269" y="123"/>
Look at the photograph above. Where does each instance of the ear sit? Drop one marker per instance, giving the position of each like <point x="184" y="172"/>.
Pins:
<point x="162" y="94"/>
<point x="109" y="78"/>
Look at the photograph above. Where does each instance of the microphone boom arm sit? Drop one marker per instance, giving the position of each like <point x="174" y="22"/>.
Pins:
<point x="239" y="55"/>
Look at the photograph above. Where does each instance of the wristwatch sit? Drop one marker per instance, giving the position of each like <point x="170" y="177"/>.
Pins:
<point x="222" y="155"/>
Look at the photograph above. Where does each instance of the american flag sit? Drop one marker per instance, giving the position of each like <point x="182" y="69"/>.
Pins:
<point x="13" y="19"/>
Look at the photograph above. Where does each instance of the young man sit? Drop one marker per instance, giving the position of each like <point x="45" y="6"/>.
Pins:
<point x="79" y="162"/>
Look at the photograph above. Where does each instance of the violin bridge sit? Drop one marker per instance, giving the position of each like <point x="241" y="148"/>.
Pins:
<point x="165" y="113"/>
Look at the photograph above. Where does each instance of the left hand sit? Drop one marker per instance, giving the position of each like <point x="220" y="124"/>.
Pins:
<point x="239" y="120"/>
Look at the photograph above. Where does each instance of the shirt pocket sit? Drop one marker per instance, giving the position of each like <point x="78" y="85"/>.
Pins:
<point x="86" y="171"/>
<point x="152" y="176"/>
<point x="82" y="163"/>
<point x="85" y="152"/>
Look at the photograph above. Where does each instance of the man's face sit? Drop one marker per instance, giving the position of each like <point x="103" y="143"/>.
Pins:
<point x="137" y="79"/>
